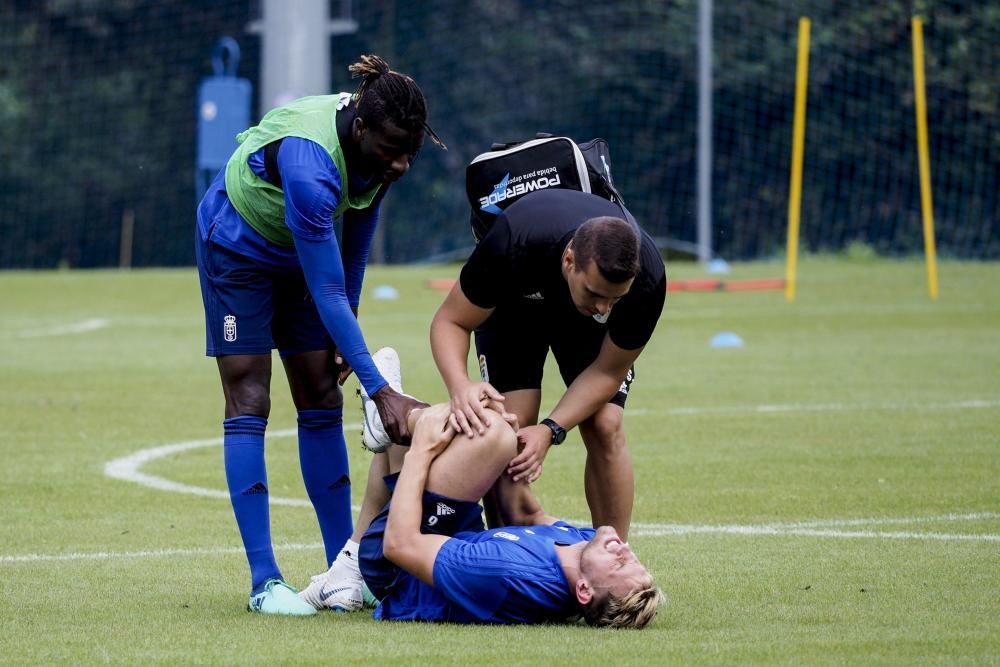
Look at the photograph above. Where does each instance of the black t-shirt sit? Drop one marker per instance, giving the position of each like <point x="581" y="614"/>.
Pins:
<point x="521" y="257"/>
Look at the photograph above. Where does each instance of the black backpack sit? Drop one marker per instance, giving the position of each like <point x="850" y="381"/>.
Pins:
<point x="496" y="179"/>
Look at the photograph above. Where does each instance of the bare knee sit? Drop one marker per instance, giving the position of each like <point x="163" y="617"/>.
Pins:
<point x="248" y="398"/>
<point x="500" y="438"/>
<point x="469" y="466"/>
<point x="246" y="383"/>
<point x="604" y="433"/>
<point x="493" y="449"/>
<point x="312" y="380"/>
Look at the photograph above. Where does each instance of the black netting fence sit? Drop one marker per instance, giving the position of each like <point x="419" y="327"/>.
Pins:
<point x="98" y="117"/>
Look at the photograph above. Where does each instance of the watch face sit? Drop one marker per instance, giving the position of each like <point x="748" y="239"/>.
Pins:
<point x="558" y="432"/>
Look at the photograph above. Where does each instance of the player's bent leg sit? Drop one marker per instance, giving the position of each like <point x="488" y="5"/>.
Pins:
<point x="609" y="480"/>
<point x="516" y="503"/>
<point x="447" y="508"/>
<point x="525" y="404"/>
<point x="468" y="467"/>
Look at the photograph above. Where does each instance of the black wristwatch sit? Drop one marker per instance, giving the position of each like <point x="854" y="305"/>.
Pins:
<point x="558" y="432"/>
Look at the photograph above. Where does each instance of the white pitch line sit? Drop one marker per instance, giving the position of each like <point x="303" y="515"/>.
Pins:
<point x="813" y="524"/>
<point x="638" y="530"/>
<point x="62" y="330"/>
<point x="652" y="530"/>
<point x="885" y="521"/>
<point x="156" y="553"/>
<point x="972" y="404"/>
<point x="128" y="468"/>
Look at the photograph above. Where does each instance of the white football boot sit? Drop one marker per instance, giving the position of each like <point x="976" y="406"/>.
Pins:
<point x="373" y="433"/>
<point x="341" y="588"/>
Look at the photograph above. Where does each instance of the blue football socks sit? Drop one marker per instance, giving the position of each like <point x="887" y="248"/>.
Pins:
<point x="326" y="473"/>
<point x="246" y="477"/>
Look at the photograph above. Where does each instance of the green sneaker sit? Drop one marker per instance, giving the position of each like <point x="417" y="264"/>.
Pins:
<point x="277" y="597"/>
<point x="371" y="601"/>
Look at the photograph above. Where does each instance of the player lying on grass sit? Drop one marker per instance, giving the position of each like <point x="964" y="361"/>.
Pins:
<point x="427" y="556"/>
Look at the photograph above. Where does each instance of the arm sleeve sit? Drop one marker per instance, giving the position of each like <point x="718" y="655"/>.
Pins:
<point x="312" y="187"/>
<point x="359" y="230"/>
<point x="324" y="275"/>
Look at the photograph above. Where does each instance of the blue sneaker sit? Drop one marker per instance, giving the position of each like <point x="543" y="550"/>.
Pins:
<point x="277" y="597"/>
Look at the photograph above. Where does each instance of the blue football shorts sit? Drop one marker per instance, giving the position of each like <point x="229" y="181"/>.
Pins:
<point x="252" y="309"/>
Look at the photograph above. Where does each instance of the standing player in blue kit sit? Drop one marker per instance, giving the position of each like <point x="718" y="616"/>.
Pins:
<point x="274" y="276"/>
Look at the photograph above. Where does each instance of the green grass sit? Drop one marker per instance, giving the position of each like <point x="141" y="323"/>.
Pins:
<point x="883" y="406"/>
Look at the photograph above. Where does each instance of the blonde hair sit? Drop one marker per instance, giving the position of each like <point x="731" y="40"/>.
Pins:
<point x="634" y="610"/>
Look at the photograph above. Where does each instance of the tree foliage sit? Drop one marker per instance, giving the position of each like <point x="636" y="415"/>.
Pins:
<point x="97" y="116"/>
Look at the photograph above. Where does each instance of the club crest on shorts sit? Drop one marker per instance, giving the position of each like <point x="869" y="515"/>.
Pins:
<point x="484" y="372"/>
<point x="229" y="328"/>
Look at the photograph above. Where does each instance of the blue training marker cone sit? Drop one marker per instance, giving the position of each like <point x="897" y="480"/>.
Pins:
<point x="385" y="293"/>
<point x="726" y="339"/>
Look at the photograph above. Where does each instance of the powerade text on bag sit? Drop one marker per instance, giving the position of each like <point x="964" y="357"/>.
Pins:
<point x="496" y="179"/>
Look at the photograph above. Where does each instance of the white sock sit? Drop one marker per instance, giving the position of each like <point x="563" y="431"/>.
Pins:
<point x="350" y="549"/>
<point x="347" y="559"/>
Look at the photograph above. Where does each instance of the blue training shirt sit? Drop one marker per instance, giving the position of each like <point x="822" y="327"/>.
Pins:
<point x="503" y="575"/>
<point x="312" y="187"/>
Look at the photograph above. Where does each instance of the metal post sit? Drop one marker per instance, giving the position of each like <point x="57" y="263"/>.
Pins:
<point x="704" y="130"/>
<point x="295" y="47"/>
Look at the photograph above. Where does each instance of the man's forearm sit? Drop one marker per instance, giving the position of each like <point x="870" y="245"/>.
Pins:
<point x="404" y="512"/>
<point x="404" y="544"/>
<point x="590" y="391"/>
<point x="450" y="347"/>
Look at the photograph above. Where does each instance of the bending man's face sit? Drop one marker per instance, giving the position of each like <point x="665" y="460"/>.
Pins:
<point x="609" y="565"/>
<point x="592" y="293"/>
<point x="387" y="151"/>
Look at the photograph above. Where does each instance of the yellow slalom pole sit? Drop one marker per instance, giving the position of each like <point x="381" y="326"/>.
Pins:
<point x="926" y="206"/>
<point x="798" y="147"/>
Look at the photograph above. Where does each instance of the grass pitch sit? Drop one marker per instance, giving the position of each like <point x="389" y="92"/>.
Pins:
<point x="829" y="493"/>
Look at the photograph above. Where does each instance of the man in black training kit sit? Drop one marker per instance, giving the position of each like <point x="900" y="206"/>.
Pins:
<point x="559" y="269"/>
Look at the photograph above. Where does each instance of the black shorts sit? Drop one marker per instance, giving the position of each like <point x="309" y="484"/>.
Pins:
<point x="513" y="343"/>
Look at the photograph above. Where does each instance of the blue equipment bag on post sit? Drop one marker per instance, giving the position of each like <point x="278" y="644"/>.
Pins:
<point x="223" y="112"/>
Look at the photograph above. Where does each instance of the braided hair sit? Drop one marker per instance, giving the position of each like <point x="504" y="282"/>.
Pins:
<point x="386" y="95"/>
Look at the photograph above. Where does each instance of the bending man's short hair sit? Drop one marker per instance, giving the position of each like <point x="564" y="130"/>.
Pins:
<point x="611" y="242"/>
<point x="634" y="610"/>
